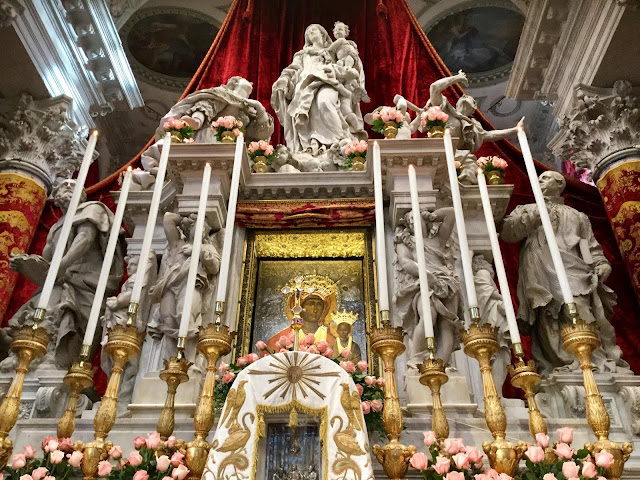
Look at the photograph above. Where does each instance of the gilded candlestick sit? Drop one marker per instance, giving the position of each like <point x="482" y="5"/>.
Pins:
<point x="581" y="339"/>
<point x="433" y="375"/>
<point x="387" y="342"/>
<point x="525" y="376"/>
<point x="214" y="342"/>
<point x="80" y="376"/>
<point x="174" y="373"/>
<point x="29" y="342"/>
<point x="481" y="343"/>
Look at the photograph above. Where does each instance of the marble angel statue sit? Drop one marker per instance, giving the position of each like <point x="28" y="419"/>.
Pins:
<point x="446" y="298"/>
<point x="539" y="295"/>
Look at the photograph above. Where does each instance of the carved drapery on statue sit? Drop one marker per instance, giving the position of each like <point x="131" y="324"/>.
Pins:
<point x="291" y="383"/>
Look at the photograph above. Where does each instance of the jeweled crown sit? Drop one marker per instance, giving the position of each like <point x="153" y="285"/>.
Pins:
<point x="344" y="317"/>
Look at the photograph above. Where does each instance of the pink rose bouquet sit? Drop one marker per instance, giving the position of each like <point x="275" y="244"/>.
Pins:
<point x="488" y="164"/>
<point x="383" y="115"/>
<point x="448" y="460"/>
<point x="433" y="117"/>
<point x="354" y="149"/>
<point x="59" y="459"/>
<point x="181" y="131"/>
<point x="228" y="123"/>
<point x="261" y="148"/>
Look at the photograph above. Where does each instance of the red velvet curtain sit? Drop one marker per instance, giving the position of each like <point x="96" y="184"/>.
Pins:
<point x="258" y="39"/>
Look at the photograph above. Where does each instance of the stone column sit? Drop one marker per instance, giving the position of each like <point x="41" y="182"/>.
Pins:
<point x="38" y="144"/>
<point x="602" y="133"/>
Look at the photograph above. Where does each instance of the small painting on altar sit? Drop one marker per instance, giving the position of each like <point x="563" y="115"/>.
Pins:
<point x="293" y="453"/>
<point x="332" y="274"/>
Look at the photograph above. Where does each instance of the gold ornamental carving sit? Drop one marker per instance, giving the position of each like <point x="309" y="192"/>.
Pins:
<point x="433" y="375"/>
<point x="80" y="376"/>
<point x="307" y="244"/>
<point x="174" y="373"/>
<point x="525" y="377"/>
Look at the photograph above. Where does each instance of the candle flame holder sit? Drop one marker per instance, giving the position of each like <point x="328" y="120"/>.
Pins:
<point x="525" y="377"/>
<point x="29" y="342"/>
<point x="80" y="376"/>
<point x="433" y="375"/>
<point x="581" y="339"/>
<point x="481" y="343"/>
<point x="387" y="342"/>
<point x="214" y="342"/>
<point x="174" y="373"/>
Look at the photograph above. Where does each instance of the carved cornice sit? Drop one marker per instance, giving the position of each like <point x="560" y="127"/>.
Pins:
<point x="601" y="123"/>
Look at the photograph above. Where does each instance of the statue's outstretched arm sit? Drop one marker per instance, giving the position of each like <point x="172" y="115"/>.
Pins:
<point x="493" y="135"/>
<point x="437" y="87"/>
<point x="82" y="242"/>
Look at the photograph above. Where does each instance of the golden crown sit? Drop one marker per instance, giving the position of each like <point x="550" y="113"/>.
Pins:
<point x="344" y="317"/>
<point x="311" y="284"/>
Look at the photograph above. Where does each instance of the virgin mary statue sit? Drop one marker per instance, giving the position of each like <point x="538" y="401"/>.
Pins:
<point x="317" y="94"/>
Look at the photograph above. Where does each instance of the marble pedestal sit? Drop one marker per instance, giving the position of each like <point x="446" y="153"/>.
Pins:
<point x="151" y="393"/>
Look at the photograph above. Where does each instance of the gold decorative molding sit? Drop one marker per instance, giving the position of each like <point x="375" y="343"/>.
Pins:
<point x="307" y="244"/>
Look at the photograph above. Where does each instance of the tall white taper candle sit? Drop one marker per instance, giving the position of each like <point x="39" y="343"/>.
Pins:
<point x="420" y="260"/>
<point x="94" y="314"/>
<point x="195" y="253"/>
<point x="63" y="237"/>
<point x="151" y="220"/>
<point x="497" y="260"/>
<point x="381" y="253"/>
<point x="465" y="255"/>
<point x="558" y="264"/>
<point x="223" y="278"/>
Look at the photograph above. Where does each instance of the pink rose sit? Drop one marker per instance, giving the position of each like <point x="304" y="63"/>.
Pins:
<point x="24" y="477"/>
<point x="589" y="470"/>
<point x="563" y="450"/>
<point x="310" y="339"/>
<point x="328" y="353"/>
<point x="52" y="444"/>
<point x="241" y="362"/>
<point x="139" y="442"/>
<point x="442" y="465"/>
<point x="429" y="438"/>
<point x="141" y="475"/>
<point x="381" y="382"/>
<point x="376" y="405"/>
<point x="570" y="469"/>
<point x="18" y="461"/>
<point x="363" y="365"/>
<point x="542" y="439"/>
<point x="179" y="473"/>
<point x="453" y="445"/>
<point x="262" y="145"/>
<point x="604" y="459"/>
<point x="348" y="366"/>
<point x="252" y="357"/>
<point x="454" y="476"/>
<point x="135" y="458"/>
<point x="535" y="454"/>
<point x="51" y="477"/>
<point x="39" y="473"/>
<point x="359" y="388"/>
<point x="167" y="478"/>
<point x="322" y="346"/>
<point x="504" y="476"/>
<point x="253" y="146"/>
<point x="166" y="125"/>
<point x="176" y="458"/>
<point x="29" y="451"/>
<point x="163" y="463"/>
<point x="491" y="473"/>
<point x="313" y="349"/>
<point x="366" y="407"/>
<point x="481" y="476"/>
<point x="376" y="115"/>
<point x="260" y="345"/>
<point x="65" y="445"/>
<point x="75" y="459"/>
<point x="549" y="476"/>
<point x="399" y="117"/>
<point x="432" y="115"/>
<point x="239" y="123"/>
<point x="171" y="442"/>
<point x="153" y="440"/>
<point x="228" y="377"/>
<point x="475" y="455"/>
<point x="56" y="456"/>
<point x="216" y="378"/>
<point x="236" y="132"/>
<point x="281" y="342"/>
<point x="565" y="435"/>
<point x="269" y="150"/>
<point x="104" y="468"/>
<point x="223" y="367"/>
<point x="302" y="347"/>
<point x="419" y="461"/>
<point x="369" y="380"/>
<point x="115" y="452"/>
<point x="461" y="460"/>
<point x="345" y="353"/>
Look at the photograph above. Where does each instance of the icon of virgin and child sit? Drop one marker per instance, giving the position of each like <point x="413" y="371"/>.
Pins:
<point x="318" y="297"/>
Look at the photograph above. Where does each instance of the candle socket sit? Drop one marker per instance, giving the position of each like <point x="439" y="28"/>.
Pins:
<point x="571" y="311"/>
<point x="219" y="311"/>
<point x="474" y="314"/>
<point x="481" y="343"/>
<point x="518" y="351"/>
<point x="181" y="345"/>
<point x="385" y="317"/>
<point x="433" y="375"/>
<point x="28" y="344"/>
<point x="38" y="316"/>
<point x="132" y="313"/>
<point x="174" y="373"/>
<point x="525" y="377"/>
<point x="80" y="376"/>
<point x="387" y="342"/>
<point x="431" y="347"/>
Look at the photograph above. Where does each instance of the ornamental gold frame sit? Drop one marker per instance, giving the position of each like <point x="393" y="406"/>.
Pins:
<point x="306" y="244"/>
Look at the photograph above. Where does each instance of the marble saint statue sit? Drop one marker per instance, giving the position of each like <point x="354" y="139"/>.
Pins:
<point x="170" y="288"/>
<point x="492" y="312"/>
<point x="72" y="296"/>
<point x="446" y="299"/>
<point x="317" y="98"/>
<point x="539" y="292"/>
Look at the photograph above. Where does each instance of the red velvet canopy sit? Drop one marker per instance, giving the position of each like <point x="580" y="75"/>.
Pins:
<point x="258" y="39"/>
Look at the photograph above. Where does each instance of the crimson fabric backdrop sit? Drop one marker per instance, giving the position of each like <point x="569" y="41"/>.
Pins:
<point x="258" y="39"/>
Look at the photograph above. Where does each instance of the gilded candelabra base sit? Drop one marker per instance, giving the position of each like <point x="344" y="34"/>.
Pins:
<point x="433" y="375"/>
<point x="29" y="342"/>
<point x="174" y="373"/>
<point x="80" y="376"/>
<point x="481" y="343"/>
<point x="581" y="339"/>
<point x="214" y="342"/>
<point x="525" y="377"/>
<point x="387" y="342"/>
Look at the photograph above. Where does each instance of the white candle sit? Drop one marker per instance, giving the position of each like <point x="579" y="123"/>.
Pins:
<point x="94" y="314"/>
<point x="231" y="219"/>
<point x="465" y="255"/>
<point x="381" y="253"/>
<point x="151" y="221"/>
<point x="497" y="259"/>
<point x="195" y="253"/>
<point x="544" y="218"/>
<point x="63" y="237"/>
<point x="420" y="260"/>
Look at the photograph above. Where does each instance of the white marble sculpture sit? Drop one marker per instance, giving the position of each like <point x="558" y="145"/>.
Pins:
<point x="172" y="282"/>
<point x="539" y="292"/>
<point x="73" y="293"/>
<point x="446" y="298"/>
<point x="317" y="99"/>
<point x="492" y="313"/>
